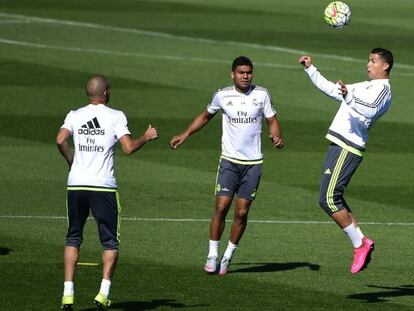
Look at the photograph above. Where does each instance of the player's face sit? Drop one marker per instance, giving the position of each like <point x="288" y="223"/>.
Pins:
<point x="376" y="67"/>
<point x="242" y="77"/>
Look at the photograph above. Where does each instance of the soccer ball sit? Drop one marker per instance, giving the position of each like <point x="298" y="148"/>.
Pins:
<point x="337" y="14"/>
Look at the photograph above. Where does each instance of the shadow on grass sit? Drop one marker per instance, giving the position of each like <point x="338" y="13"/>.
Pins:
<point x="386" y="292"/>
<point x="5" y="251"/>
<point x="147" y="305"/>
<point x="273" y="267"/>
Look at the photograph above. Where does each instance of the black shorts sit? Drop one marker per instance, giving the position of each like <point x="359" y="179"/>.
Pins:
<point x="242" y="179"/>
<point x="105" y="207"/>
<point x="338" y="169"/>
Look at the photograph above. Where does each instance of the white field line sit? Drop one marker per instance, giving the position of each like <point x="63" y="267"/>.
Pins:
<point x="184" y="38"/>
<point x="14" y="21"/>
<point x="153" y="56"/>
<point x="181" y="220"/>
<point x="130" y="54"/>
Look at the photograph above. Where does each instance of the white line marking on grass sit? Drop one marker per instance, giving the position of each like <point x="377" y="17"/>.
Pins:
<point x="153" y="56"/>
<point x="130" y="54"/>
<point x="191" y="39"/>
<point x="138" y="219"/>
<point x="14" y="21"/>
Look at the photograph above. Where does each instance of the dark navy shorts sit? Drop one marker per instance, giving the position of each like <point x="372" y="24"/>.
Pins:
<point x="338" y="169"/>
<point x="105" y="207"/>
<point x="242" y="179"/>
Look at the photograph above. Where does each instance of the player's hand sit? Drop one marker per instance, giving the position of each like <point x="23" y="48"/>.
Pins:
<point x="151" y="133"/>
<point x="177" y="141"/>
<point x="342" y="88"/>
<point x="277" y="142"/>
<point x="305" y="60"/>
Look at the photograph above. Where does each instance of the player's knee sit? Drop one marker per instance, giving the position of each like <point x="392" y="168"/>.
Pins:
<point x="222" y="209"/>
<point x="241" y="215"/>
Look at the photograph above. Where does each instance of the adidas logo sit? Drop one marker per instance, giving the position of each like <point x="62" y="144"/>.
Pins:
<point x="91" y="127"/>
<point x="328" y="172"/>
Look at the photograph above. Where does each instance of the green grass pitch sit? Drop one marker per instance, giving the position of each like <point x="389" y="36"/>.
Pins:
<point x="165" y="58"/>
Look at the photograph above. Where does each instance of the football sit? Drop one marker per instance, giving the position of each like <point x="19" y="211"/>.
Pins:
<point x="337" y="14"/>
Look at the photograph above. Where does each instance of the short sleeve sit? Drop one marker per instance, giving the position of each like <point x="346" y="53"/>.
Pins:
<point x="68" y="123"/>
<point x="121" y="126"/>
<point x="214" y="106"/>
<point x="268" y="108"/>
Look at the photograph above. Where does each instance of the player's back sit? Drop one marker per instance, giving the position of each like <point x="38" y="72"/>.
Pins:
<point x="95" y="130"/>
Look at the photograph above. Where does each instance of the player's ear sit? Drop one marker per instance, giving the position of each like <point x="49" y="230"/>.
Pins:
<point x="106" y="92"/>
<point x="232" y="75"/>
<point x="385" y="66"/>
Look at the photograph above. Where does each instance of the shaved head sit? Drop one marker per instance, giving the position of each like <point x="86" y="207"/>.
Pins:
<point x="98" y="88"/>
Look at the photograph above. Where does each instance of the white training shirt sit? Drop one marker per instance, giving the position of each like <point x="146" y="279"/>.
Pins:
<point x="242" y="120"/>
<point x="364" y="104"/>
<point x="95" y="130"/>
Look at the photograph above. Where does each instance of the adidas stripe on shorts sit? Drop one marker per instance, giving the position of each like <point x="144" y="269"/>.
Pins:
<point x="337" y="171"/>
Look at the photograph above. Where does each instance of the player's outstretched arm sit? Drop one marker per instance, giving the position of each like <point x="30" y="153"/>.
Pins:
<point x="331" y="89"/>
<point x="129" y="145"/>
<point x="196" y="125"/>
<point x="63" y="146"/>
<point x="275" y="133"/>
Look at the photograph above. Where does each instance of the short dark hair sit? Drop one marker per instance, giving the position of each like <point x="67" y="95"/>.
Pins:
<point x="241" y="61"/>
<point x="386" y="56"/>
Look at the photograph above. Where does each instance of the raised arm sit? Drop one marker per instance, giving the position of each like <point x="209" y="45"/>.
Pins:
<point x="329" y="88"/>
<point x="196" y="125"/>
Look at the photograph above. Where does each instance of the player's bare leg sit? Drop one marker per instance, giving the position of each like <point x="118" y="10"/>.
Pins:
<point x="218" y="222"/>
<point x="70" y="259"/>
<point x="353" y="220"/>
<point x="237" y="229"/>
<point x="342" y="218"/>
<point x="71" y="255"/>
<point x="240" y="219"/>
<point x="109" y="260"/>
<point x="363" y="246"/>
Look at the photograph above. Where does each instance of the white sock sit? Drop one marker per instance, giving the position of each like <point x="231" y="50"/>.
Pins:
<point x="352" y="233"/>
<point x="68" y="288"/>
<point x="213" y="248"/>
<point x="358" y="229"/>
<point x="230" y="250"/>
<point x="105" y="287"/>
